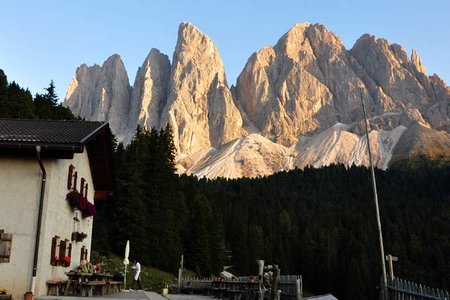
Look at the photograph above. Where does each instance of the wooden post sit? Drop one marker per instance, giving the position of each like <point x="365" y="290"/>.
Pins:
<point x="180" y="273"/>
<point x="299" y="286"/>
<point x="391" y="260"/>
<point x="275" y="279"/>
<point x="377" y="209"/>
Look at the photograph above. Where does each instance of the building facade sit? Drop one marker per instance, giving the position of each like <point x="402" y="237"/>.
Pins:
<point x="48" y="185"/>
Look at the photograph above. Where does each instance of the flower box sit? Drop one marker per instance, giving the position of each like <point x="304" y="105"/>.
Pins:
<point x="78" y="201"/>
<point x="78" y="236"/>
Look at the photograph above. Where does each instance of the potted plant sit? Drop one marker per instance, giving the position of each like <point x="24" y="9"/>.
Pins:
<point x="28" y="296"/>
<point x="77" y="201"/>
<point x="78" y="236"/>
<point x="55" y="261"/>
<point x="66" y="261"/>
<point x="81" y="236"/>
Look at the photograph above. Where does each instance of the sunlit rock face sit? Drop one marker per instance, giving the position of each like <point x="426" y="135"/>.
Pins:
<point x="149" y="96"/>
<point x="200" y="106"/>
<point x="295" y="104"/>
<point x="101" y="94"/>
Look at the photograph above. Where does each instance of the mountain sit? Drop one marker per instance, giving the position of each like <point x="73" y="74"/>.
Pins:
<point x="199" y="106"/>
<point x="295" y="104"/>
<point x="101" y="93"/>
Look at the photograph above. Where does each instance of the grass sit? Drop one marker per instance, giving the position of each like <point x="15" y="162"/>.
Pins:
<point x="151" y="279"/>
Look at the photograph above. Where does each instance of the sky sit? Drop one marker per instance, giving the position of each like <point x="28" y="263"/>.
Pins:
<point x="48" y="39"/>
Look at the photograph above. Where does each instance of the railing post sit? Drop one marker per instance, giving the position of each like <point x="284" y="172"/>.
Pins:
<point x="299" y="287"/>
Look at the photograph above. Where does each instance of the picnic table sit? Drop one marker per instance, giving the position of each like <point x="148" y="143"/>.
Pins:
<point x="87" y="284"/>
<point x="74" y="279"/>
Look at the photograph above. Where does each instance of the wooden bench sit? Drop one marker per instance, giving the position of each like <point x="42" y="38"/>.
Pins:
<point x="55" y="287"/>
<point x="113" y="286"/>
<point x="87" y="288"/>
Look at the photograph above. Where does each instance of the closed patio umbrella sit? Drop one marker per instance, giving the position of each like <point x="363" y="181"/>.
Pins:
<point x="126" y="262"/>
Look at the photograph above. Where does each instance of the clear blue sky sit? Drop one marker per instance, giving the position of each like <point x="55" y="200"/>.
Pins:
<point x="45" y="40"/>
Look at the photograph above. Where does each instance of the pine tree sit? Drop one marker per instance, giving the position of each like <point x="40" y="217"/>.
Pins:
<point x="3" y="93"/>
<point x="19" y="103"/>
<point x="46" y="106"/>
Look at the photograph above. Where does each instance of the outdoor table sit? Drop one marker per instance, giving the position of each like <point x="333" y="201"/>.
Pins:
<point x="73" y="280"/>
<point x="101" y="276"/>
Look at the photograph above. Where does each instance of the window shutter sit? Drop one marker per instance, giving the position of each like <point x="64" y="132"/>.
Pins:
<point x="82" y="185"/>
<point x="82" y="253"/>
<point x="69" y="251"/>
<point x="75" y="180"/>
<point x="85" y="254"/>
<point x="69" y="178"/>
<point x="62" y="250"/>
<point x="5" y="247"/>
<point x="53" y="251"/>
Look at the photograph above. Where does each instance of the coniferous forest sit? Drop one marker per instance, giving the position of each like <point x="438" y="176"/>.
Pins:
<point x="319" y="223"/>
<point x="17" y="102"/>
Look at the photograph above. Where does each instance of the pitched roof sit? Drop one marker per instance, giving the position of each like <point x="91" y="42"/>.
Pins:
<point x="63" y="132"/>
<point x="61" y="139"/>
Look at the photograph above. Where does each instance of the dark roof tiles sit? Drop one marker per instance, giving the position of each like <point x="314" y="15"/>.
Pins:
<point x="47" y="131"/>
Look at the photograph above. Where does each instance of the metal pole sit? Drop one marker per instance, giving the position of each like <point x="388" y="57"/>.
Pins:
<point x="180" y="273"/>
<point x="39" y="220"/>
<point x="375" y="198"/>
<point x="125" y="279"/>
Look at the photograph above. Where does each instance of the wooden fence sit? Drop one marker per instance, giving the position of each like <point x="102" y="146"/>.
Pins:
<point x="288" y="286"/>
<point x="248" y="286"/>
<point x="399" y="289"/>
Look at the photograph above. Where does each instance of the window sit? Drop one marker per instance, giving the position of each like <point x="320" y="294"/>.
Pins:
<point x="83" y="253"/>
<point x="63" y="256"/>
<point x="5" y="246"/>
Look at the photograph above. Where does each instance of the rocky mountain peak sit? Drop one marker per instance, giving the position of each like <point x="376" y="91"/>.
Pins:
<point x="415" y="59"/>
<point x="295" y="104"/>
<point x="149" y="95"/>
<point x="101" y="93"/>
<point x="200" y="107"/>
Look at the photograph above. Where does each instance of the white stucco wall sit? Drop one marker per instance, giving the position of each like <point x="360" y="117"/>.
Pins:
<point x="20" y="185"/>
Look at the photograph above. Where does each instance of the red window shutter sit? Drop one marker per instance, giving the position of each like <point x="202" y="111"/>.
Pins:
<point x="69" y="250"/>
<point x="69" y="177"/>
<point x="62" y="250"/>
<point x="53" y="251"/>
<point x="75" y="180"/>
<point x="86" y="191"/>
<point x="82" y="185"/>
<point x="82" y="253"/>
<point x="85" y="254"/>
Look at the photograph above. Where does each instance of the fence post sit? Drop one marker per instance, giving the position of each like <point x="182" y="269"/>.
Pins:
<point x="299" y="286"/>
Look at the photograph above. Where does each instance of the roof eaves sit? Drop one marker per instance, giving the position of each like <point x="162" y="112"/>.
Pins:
<point x="73" y="147"/>
<point x="93" y="133"/>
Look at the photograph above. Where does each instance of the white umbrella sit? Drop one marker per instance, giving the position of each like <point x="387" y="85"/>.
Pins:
<point x="126" y="262"/>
